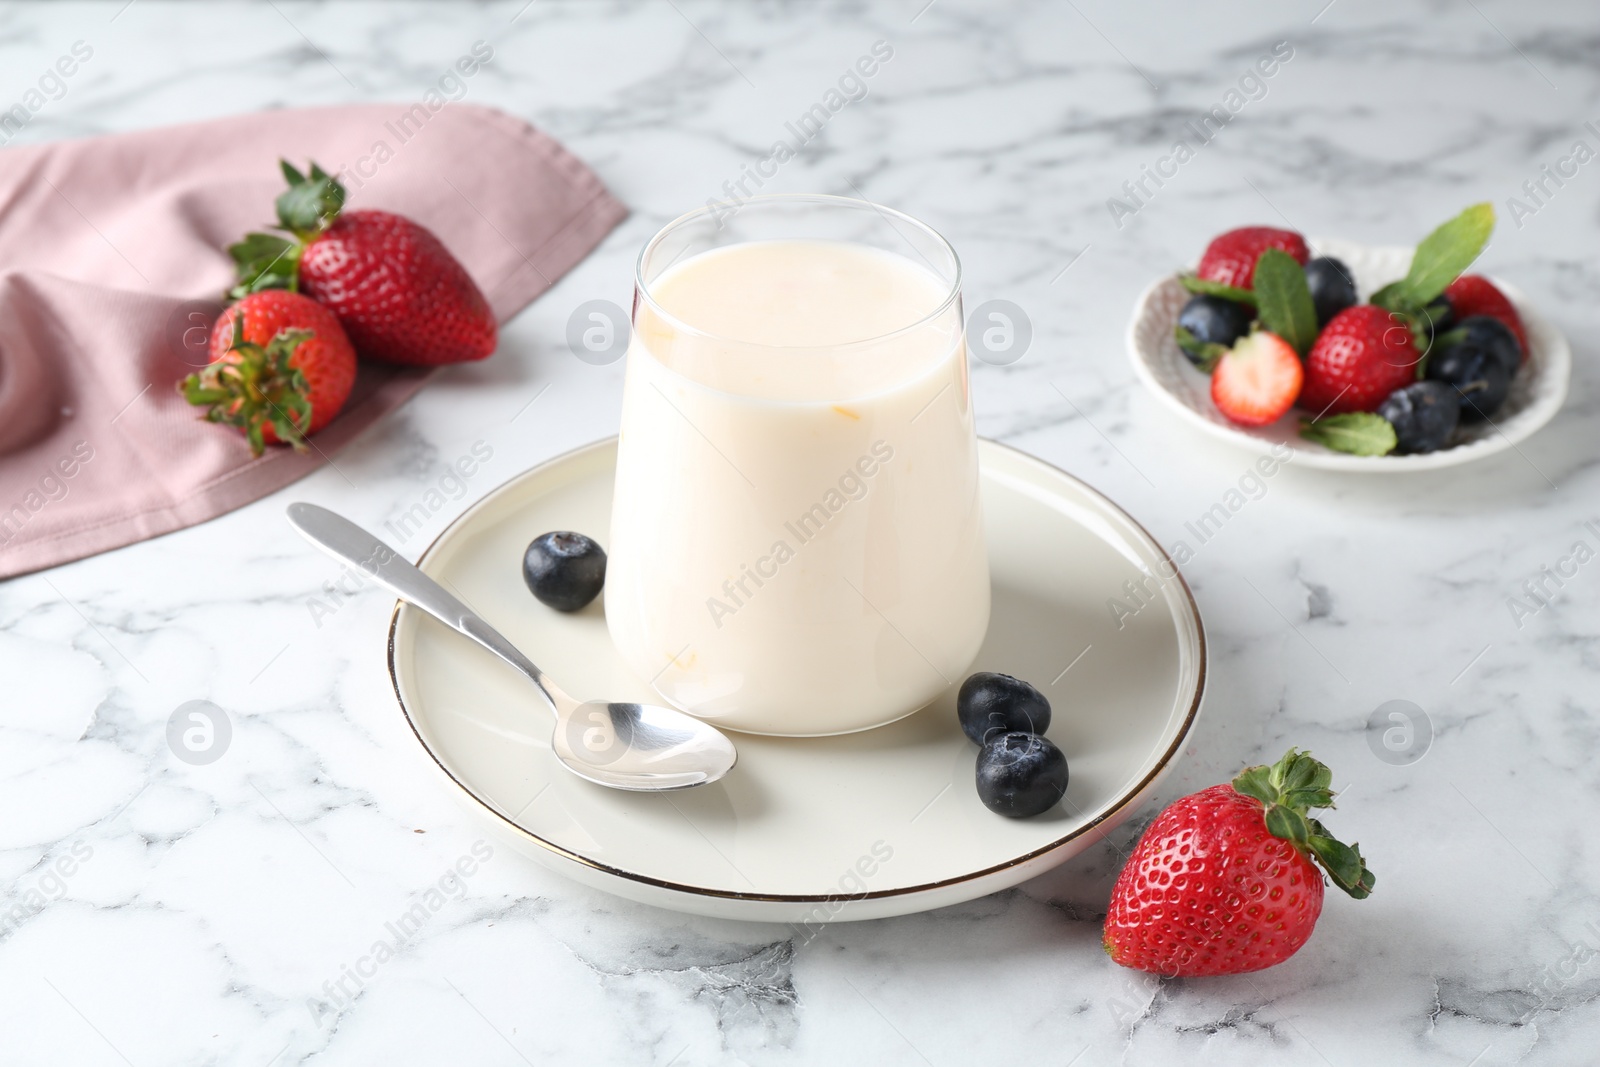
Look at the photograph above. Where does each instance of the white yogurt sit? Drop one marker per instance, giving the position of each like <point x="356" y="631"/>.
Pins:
<point x="796" y="542"/>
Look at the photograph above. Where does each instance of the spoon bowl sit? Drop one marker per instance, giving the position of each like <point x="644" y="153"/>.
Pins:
<point x="621" y="745"/>
<point x="642" y="747"/>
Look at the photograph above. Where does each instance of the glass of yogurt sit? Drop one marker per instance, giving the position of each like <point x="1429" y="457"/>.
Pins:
<point x="796" y="540"/>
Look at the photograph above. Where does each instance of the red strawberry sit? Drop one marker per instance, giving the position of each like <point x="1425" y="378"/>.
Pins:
<point x="1223" y="881"/>
<point x="1361" y="356"/>
<point x="400" y="294"/>
<point x="281" y="368"/>
<point x="1258" y="380"/>
<point x="1473" y="294"/>
<point x="1230" y="259"/>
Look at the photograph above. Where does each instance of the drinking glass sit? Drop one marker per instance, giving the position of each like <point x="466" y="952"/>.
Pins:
<point x="796" y="541"/>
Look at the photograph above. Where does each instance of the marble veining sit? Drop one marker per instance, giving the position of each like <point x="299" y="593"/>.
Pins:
<point x="158" y="912"/>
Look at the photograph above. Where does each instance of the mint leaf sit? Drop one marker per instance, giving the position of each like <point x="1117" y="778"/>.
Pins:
<point x="1446" y="252"/>
<point x="1284" y="299"/>
<point x="1205" y="353"/>
<point x="1392" y="297"/>
<point x="1196" y="284"/>
<point x="1359" y="433"/>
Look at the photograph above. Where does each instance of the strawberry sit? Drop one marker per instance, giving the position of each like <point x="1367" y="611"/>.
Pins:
<point x="1225" y="881"/>
<point x="1258" y="380"/>
<point x="281" y="368"/>
<point x="1361" y="356"/>
<point x="1473" y="294"/>
<point x="400" y="294"/>
<point x="1230" y="258"/>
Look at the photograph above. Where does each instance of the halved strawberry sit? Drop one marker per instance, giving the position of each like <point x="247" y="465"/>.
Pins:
<point x="1230" y="258"/>
<point x="1258" y="380"/>
<point x="1473" y="294"/>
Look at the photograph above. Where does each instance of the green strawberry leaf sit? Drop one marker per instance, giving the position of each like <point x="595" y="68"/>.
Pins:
<point x="1287" y="823"/>
<point x="1199" y="285"/>
<point x="309" y="205"/>
<point x="1284" y="299"/>
<point x="1206" y="352"/>
<point x="1286" y="790"/>
<point x="259" y="248"/>
<point x="265" y="261"/>
<point x="1359" y="433"/>
<point x="1343" y="862"/>
<point x="259" y="387"/>
<point x="1309" y="798"/>
<point x="1256" y="782"/>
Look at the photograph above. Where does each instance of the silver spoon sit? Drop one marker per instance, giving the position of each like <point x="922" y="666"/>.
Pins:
<point x="624" y="746"/>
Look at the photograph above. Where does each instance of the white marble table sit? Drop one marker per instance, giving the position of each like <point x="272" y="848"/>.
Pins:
<point x="207" y="905"/>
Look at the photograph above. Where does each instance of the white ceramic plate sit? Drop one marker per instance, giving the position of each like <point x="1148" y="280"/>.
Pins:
<point x="884" y="822"/>
<point x="1536" y="394"/>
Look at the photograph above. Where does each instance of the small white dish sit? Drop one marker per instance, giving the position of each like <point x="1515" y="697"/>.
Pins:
<point x="1537" y="392"/>
<point x="884" y="822"/>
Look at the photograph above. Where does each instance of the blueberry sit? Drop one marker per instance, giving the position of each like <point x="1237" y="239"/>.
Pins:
<point x="989" y="703"/>
<point x="1332" y="287"/>
<point x="564" y="570"/>
<point x="1488" y="332"/>
<point x="1477" y="359"/>
<point x="1215" y="321"/>
<point x="1423" y="414"/>
<point x="1021" y="775"/>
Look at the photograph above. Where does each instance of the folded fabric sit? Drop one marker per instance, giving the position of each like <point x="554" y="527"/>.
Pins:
<point x="112" y="262"/>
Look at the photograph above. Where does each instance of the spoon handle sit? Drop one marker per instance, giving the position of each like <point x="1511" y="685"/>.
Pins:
<point x="349" y="543"/>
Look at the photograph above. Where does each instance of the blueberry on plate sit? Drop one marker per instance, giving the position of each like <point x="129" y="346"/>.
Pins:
<point x="990" y="703"/>
<point x="1332" y="287"/>
<point x="1423" y="414"/>
<point x="1211" y="320"/>
<point x="1477" y="359"/>
<point x="1021" y="775"/>
<point x="564" y="570"/>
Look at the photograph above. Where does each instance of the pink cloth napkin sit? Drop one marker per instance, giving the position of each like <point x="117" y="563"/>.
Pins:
<point x="112" y="261"/>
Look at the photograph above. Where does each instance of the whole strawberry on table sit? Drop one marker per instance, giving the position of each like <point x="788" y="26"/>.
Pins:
<point x="398" y="292"/>
<point x="1276" y="328"/>
<point x="1229" y="880"/>
<point x="333" y="284"/>
<point x="280" y="368"/>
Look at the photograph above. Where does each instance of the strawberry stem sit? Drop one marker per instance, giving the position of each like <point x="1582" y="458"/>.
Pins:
<point x="305" y="210"/>
<point x="261" y="388"/>
<point x="1287" y="791"/>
